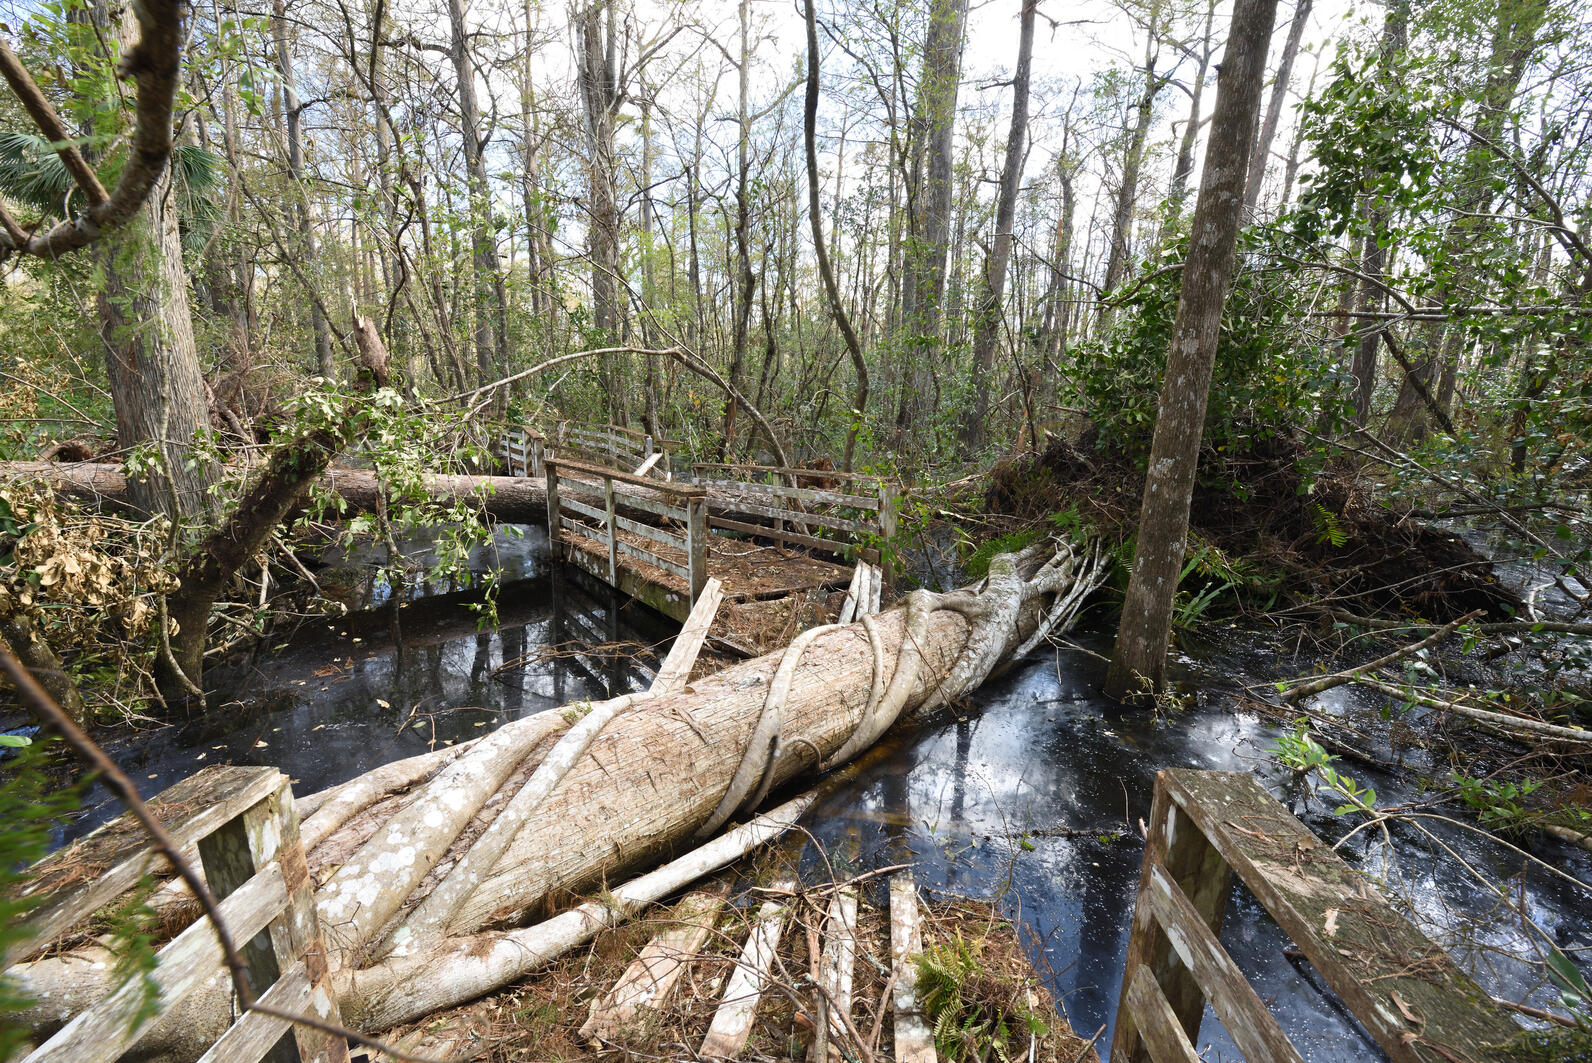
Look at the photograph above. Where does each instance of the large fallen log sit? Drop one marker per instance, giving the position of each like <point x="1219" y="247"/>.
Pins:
<point x="511" y="499"/>
<point x="419" y="920"/>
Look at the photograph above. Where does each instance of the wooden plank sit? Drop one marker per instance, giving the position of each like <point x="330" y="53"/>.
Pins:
<point x="914" y="1043"/>
<point x="856" y="592"/>
<point x="732" y="1023"/>
<point x="828" y="474"/>
<point x="1411" y="996"/>
<point x="676" y="668"/>
<point x="554" y="520"/>
<point x="875" y="586"/>
<point x="817" y="496"/>
<point x="837" y="968"/>
<point x="101" y="867"/>
<point x="696" y="539"/>
<point x="647" y="465"/>
<point x="630" y="500"/>
<point x="100" y="1034"/>
<point x="672" y="490"/>
<point x="1163" y="1034"/>
<point x="641" y="553"/>
<point x="824" y="520"/>
<point x="649" y="982"/>
<point x="1175" y="844"/>
<point x="1233" y="999"/>
<point x="254" y="1034"/>
<point x="613" y="537"/>
<point x="648" y="531"/>
<point x="833" y="547"/>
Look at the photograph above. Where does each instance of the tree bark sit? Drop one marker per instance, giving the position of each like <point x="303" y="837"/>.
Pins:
<point x="151" y="361"/>
<point x="1139" y="658"/>
<point x="1279" y="94"/>
<point x="595" y="791"/>
<point x="300" y="206"/>
<point x="859" y="408"/>
<point x="987" y="321"/>
<point x="934" y="128"/>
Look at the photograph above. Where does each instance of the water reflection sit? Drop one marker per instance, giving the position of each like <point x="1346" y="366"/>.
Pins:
<point x="344" y="696"/>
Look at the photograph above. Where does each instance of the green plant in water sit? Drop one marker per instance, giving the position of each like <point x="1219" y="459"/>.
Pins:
<point x="975" y="1015"/>
<point x="1499" y="805"/>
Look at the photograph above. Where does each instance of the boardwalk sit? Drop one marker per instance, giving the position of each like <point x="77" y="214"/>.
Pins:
<point x="659" y="541"/>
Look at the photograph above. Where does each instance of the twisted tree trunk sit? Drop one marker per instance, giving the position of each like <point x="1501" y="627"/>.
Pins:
<point x="417" y="887"/>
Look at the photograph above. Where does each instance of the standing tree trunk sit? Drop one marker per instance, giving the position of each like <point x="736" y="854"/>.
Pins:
<point x="746" y="281"/>
<point x="1373" y="264"/>
<point x="1139" y="659"/>
<point x="987" y="321"/>
<point x="151" y="361"/>
<point x="1184" y="168"/>
<point x="859" y="409"/>
<point x="599" y="91"/>
<point x="924" y="254"/>
<point x="1279" y="93"/>
<point x="293" y="113"/>
<point x="1133" y="162"/>
<point x="491" y="312"/>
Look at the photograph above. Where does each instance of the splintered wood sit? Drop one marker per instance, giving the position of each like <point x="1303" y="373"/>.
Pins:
<point x="648" y="984"/>
<point x="838" y="966"/>
<point x="913" y="1041"/>
<point x="732" y="1024"/>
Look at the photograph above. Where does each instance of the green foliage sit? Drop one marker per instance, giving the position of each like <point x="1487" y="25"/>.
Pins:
<point x="1268" y="379"/>
<point x="1303" y="755"/>
<point x="30" y="807"/>
<point x="977" y="563"/>
<point x="134" y="930"/>
<point x="1329" y="529"/>
<point x="972" y="1017"/>
<point x="1499" y="804"/>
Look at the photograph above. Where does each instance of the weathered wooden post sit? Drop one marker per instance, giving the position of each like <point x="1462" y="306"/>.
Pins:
<point x="231" y="856"/>
<point x="1177" y="845"/>
<point x="696" y="540"/>
<point x="537" y="456"/>
<point x="887" y="530"/>
<point x="553" y="524"/>
<point x="613" y="531"/>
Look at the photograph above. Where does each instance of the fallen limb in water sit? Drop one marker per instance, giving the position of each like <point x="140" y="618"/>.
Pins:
<point x="641" y="781"/>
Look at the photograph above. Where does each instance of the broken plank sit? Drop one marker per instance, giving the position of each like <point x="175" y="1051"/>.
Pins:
<point x="913" y="1041"/>
<point x="652" y="977"/>
<point x="732" y="1023"/>
<point x="836" y="970"/>
<point x="676" y="667"/>
<point x="856" y="595"/>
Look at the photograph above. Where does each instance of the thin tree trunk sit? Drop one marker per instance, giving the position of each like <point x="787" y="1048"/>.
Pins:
<point x="1279" y="94"/>
<point x="1184" y="168"/>
<point x="1138" y="663"/>
<point x="293" y="116"/>
<point x="987" y="320"/>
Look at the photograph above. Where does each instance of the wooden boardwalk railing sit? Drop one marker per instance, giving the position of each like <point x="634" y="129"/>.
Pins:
<point x="583" y="515"/>
<point x="860" y="507"/>
<point x="246" y="829"/>
<point x="522" y="450"/>
<point x="1206" y="826"/>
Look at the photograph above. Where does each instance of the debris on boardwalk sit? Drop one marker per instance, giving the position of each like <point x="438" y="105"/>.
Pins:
<point x="737" y="996"/>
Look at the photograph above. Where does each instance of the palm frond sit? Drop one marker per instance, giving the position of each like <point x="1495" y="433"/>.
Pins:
<point x="31" y="173"/>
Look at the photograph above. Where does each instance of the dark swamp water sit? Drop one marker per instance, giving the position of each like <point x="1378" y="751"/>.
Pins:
<point x="1033" y="792"/>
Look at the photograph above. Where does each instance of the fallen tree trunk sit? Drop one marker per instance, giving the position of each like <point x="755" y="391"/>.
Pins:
<point x="599" y="790"/>
<point x="512" y="499"/>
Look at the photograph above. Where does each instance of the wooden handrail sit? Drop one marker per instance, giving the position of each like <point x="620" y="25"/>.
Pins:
<point x="1206" y="827"/>
<point x="678" y="490"/>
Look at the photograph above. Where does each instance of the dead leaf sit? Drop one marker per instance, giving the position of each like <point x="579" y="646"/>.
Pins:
<point x="1332" y="922"/>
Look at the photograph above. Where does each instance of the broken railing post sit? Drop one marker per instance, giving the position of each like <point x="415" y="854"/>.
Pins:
<point x="613" y="532"/>
<point x="696" y="537"/>
<point x="1207" y="826"/>
<point x="553" y="524"/>
<point x="887" y="529"/>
